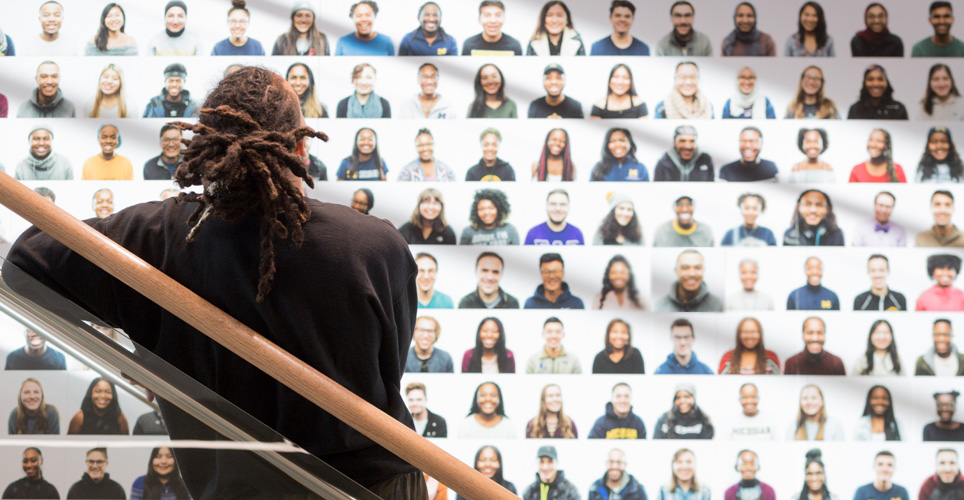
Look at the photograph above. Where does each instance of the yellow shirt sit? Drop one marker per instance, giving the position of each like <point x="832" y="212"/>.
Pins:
<point x="118" y="168"/>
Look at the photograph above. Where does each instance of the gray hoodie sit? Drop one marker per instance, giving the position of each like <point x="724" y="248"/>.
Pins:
<point x="58" y="108"/>
<point x="55" y="167"/>
<point x="703" y="302"/>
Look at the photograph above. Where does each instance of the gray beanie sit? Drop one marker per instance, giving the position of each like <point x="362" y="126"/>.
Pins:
<point x="303" y="5"/>
<point x="617" y="198"/>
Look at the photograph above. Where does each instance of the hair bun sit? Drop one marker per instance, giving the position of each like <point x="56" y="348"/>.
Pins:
<point x="814" y="455"/>
<point x="238" y="4"/>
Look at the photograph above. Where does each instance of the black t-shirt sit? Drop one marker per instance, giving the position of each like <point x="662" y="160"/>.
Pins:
<point x="568" y="108"/>
<point x="934" y="433"/>
<point x="501" y="171"/>
<point x="505" y="46"/>
<point x="343" y="304"/>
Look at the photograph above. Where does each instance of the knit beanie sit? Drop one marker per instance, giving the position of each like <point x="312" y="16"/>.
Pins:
<point x="303" y="5"/>
<point x="617" y="198"/>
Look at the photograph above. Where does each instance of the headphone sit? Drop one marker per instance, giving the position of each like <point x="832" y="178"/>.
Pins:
<point x="756" y="459"/>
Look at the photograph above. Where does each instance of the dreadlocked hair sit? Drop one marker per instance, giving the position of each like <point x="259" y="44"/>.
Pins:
<point x="244" y="142"/>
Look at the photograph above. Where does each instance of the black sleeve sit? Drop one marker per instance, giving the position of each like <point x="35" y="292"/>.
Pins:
<point x="342" y="110"/>
<point x="386" y="108"/>
<point x="448" y="236"/>
<point x="73" y="277"/>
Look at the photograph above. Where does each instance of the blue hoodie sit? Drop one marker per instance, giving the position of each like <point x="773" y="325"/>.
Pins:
<point x="672" y="366"/>
<point x="610" y="426"/>
<point x="631" y="489"/>
<point x="565" y="300"/>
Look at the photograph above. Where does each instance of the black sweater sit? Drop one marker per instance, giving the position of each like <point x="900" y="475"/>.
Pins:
<point x="344" y="302"/>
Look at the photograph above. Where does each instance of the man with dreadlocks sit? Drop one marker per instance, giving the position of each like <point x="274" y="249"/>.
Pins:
<point x="287" y="266"/>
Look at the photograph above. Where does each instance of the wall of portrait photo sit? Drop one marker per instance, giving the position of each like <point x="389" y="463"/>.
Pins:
<point x="652" y="290"/>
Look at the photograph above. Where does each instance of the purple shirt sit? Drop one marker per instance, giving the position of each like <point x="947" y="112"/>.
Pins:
<point x="542" y="235"/>
<point x="871" y="234"/>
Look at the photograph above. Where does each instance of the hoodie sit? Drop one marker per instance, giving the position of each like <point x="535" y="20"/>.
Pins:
<point x="934" y="489"/>
<point x="610" y="426"/>
<point x="925" y="363"/>
<point x="558" y="489"/>
<point x="59" y="107"/>
<point x="672" y="168"/>
<point x="565" y="300"/>
<point x="160" y="107"/>
<point x="501" y="171"/>
<point x="703" y="302"/>
<point x="693" y="426"/>
<point x="672" y="366"/>
<point x="53" y="167"/>
<point x="105" y="489"/>
<point x="628" y="489"/>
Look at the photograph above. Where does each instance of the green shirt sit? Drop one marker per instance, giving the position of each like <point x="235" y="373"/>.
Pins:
<point x="506" y="110"/>
<point x="927" y="48"/>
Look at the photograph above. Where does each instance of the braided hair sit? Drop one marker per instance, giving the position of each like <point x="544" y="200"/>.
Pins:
<point x="244" y="145"/>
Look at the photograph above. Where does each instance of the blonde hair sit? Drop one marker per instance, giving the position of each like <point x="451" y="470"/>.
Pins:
<point x="539" y="427"/>
<point x="801" y="433"/>
<point x="20" y="420"/>
<point x="99" y="98"/>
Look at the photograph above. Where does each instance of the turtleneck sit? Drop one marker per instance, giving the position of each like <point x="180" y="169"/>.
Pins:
<point x="173" y="34"/>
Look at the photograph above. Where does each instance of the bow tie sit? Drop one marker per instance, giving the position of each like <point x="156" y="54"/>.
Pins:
<point x="878" y="228"/>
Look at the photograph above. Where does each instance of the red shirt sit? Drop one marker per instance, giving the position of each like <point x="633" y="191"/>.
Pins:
<point x="860" y="174"/>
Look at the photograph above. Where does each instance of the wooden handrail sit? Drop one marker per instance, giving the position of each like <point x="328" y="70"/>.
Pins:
<point x="248" y="344"/>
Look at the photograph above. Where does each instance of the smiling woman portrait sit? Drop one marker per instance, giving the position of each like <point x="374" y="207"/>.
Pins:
<point x="100" y="411"/>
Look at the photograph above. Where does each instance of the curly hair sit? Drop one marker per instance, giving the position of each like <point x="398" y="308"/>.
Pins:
<point x="243" y="147"/>
<point x="927" y="167"/>
<point x="498" y="198"/>
<point x="610" y="229"/>
<point x="607" y="287"/>
<point x="802" y="134"/>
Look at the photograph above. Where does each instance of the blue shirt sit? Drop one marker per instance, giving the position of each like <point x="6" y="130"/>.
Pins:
<point x="672" y="366"/>
<point x="606" y="47"/>
<point x="11" y="50"/>
<point x="630" y="170"/>
<point x="813" y="298"/>
<point x="414" y="44"/>
<point x="250" y="48"/>
<point x="868" y="492"/>
<point x="351" y="45"/>
<point x="439" y="301"/>
<point x="49" y="360"/>
<point x="740" y="237"/>
<point x="367" y="171"/>
<point x="542" y="235"/>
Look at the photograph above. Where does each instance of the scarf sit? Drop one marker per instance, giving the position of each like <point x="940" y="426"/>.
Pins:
<point x="675" y="106"/>
<point x="754" y="100"/>
<point x="751" y="38"/>
<point x="371" y="109"/>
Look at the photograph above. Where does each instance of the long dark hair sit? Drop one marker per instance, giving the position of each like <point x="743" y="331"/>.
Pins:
<point x="499" y="410"/>
<point x="608" y="346"/>
<point x="607" y="162"/>
<point x="829" y="221"/>
<point x="760" y="350"/>
<point x="608" y="285"/>
<point x="929" y="95"/>
<point x="100" y="40"/>
<point x="891" y="349"/>
<point x="674" y="415"/>
<point x="820" y="31"/>
<point x="152" y="481"/>
<point x="632" y="85"/>
<point x="475" y="361"/>
<point x="319" y="42"/>
<point x="113" y="411"/>
<point x="568" y="169"/>
<point x="888" y="94"/>
<point x="243" y="147"/>
<point x="310" y="105"/>
<point x="497" y="477"/>
<point x="814" y="456"/>
<point x="888" y="155"/>
<point x="478" y="105"/>
<point x="541" y="26"/>
<point x="354" y="161"/>
<point x="891" y="432"/>
<point x="928" y="164"/>
<point x="610" y="229"/>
